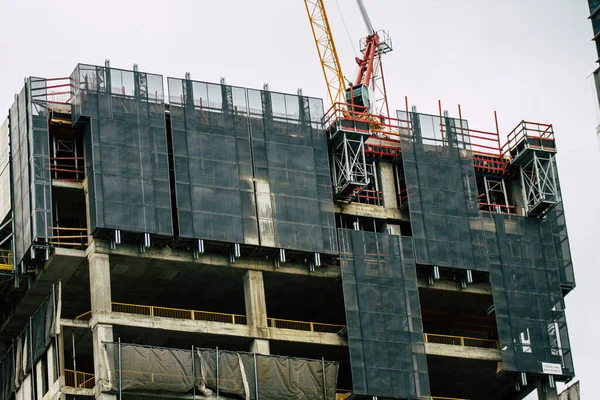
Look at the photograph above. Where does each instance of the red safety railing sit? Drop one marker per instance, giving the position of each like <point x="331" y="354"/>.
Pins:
<point x="381" y="128"/>
<point x="526" y="130"/>
<point x="58" y="90"/>
<point x="68" y="168"/>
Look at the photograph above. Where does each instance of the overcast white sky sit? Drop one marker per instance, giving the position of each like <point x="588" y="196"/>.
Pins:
<point x="527" y="59"/>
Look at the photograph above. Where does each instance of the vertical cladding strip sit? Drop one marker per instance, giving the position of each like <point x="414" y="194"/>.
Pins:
<point x="385" y="333"/>
<point x="126" y="145"/>
<point x="29" y="167"/>
<point x="213" y="169"/>
<point x="291" y="177"/>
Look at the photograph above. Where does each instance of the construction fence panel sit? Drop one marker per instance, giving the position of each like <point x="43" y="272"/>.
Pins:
<point x="126" y="149"/>
<point x="235" y="374"/>
<point x="385" y="329"/>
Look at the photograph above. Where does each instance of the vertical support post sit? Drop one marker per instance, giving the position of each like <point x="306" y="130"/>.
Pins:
<point x="255" y="377"/>
<point x="55" y="350"/>
<point x="324" y="381"/>
<point x="193" y="375"/>
<point x="217" y="372"/>
<point x="73" y="356"/>
<point x="120" y="371"/>
<point x="32" y="373"/>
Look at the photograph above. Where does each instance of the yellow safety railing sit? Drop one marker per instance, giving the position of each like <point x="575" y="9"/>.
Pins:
<point x="461" y="341"/>
<point x="6" y="260"/>
<point x="196" y="315"/>
<point x="81" y="380"/>
<point x="69" y="237"/>
<point x="304" y="326"/>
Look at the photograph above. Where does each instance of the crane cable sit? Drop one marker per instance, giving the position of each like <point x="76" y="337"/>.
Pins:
<point x="350" y="39"/>
<point x="346" y="27"/>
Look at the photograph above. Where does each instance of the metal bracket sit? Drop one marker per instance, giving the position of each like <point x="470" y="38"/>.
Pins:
<point x="198" y="248"/>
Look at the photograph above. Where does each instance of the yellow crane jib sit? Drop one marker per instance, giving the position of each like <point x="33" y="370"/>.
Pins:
<point x="328" y="56"/>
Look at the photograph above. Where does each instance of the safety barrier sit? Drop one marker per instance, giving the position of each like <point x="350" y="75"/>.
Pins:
<point x="6" y="260"/>
<point x="461" y="341"/>
<point x="75" y="238"/>
<point x="81" y="380"/>
<point x="304" y="326"/>
<point x="178" y="313"/>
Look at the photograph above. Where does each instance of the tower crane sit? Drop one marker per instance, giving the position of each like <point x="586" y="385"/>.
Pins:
<point x="359" y="109"/>
<point x="367" y="93"/>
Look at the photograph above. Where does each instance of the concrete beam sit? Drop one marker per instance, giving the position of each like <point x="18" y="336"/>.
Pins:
<point x="74" y="323"/>
<point x="454" y="286"/>
<point x="260" y="346"/>
<point x="186" y="259"/>
<point x="82" y="392"/>
<point x="217" y="328"/>
<point x="473" y="353"/>
<point x="368" y="210"/>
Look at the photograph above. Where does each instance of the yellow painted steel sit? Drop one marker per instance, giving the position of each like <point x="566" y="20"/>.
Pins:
<point x="328" y="57"/>
<point x="6" y="260"/>
<point x="461" y="341"/>
<point x="79" y="379"/>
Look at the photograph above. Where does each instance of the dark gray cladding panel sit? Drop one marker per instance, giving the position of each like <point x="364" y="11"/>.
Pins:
<point x="525" y="277"/>
<point x="383" y="315"/>
<point x="126" y="149"/>
<point x="30" y="167"/>
<point x="251" y="167"/>
<point x="447" y="227"/>
<point x="212" y="162"/>
<point x="291" y="166"/>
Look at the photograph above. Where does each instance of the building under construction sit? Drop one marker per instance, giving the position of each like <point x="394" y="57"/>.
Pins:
<point x="179" y="239"/>
<point x="189" y="243"/>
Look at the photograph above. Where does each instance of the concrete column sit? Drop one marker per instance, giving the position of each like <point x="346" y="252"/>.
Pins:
<point x="388" y="185"/>
<point x="39" y="380"/>
<point x="51" y="362"/>
<point x="99" y="283"/>
<point x="254" y="296"/>
<point x="260" y="346"/>
<point x="101" y="333"/>
<point x="27" y="388"/>
<point x="549" y="394"/>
